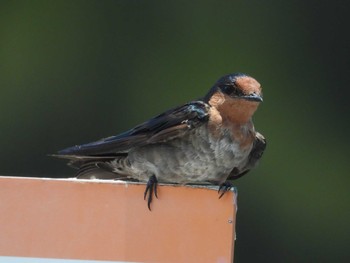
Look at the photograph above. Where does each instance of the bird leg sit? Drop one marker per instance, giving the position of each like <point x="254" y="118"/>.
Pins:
<point x="150" y="188"/>
<point x="224" y="187"/>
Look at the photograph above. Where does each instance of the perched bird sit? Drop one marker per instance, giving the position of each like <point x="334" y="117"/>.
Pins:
<point x="204" y="141"/>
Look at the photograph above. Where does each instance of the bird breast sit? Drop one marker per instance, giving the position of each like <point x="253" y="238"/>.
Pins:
<point x="197" y="157"/>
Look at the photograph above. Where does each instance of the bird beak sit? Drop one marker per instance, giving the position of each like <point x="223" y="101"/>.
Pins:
<point x="253" y="97"/>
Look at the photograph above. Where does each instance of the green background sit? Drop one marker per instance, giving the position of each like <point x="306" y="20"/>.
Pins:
<point x="75" y="71"/>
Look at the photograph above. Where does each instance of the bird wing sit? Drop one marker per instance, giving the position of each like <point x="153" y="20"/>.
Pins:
<point x="171" y="124"/>
<point x="255" y="154"/>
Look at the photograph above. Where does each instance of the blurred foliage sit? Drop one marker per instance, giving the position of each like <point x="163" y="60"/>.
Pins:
<point x="75" y="71"/>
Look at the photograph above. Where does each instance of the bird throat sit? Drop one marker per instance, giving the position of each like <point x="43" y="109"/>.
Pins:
<point x="233" y="110"/>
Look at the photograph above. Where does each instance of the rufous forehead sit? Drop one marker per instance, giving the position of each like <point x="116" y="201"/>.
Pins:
<point x="248" y="85"/>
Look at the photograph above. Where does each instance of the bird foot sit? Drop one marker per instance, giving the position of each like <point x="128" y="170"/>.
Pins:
<point x="151" y="188"/>
<point x="224" y="187"/>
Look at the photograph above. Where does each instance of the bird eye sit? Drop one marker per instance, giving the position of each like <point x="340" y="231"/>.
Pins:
<point x="231" y="90"/>
<point x="227" y="89"/>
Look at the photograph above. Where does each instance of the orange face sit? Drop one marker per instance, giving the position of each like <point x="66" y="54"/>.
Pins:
<point x="238" y="103"/>
<point x="248" y="85"/>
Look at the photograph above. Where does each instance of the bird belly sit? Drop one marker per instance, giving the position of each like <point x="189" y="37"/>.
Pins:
<point x="196" y="158"/>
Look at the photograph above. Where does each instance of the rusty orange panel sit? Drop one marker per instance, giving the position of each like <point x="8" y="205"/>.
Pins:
<point x="109" y="220"/>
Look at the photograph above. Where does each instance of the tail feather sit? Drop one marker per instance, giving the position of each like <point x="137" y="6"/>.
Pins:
<point x="93" y="167"/>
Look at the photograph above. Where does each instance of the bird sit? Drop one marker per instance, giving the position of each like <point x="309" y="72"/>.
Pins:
<point x="211" y="140"/>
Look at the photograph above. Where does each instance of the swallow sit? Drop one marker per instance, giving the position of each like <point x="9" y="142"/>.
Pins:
<point x="206" y="141"/>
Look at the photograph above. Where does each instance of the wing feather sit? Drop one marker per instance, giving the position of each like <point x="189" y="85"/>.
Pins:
<point x="166" y="126"/>
<point x="253" y="159"/>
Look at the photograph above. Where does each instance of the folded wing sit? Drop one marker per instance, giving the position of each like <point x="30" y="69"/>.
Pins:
<point x="171" y="124"/>
<point x="255" y="154"/>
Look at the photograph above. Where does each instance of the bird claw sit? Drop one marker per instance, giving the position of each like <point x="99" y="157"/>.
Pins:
<point x="224" y="187"/>
<point x="151" y="188"/>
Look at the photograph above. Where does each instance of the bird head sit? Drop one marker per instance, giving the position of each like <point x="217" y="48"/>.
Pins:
<point x="235" y="96"/>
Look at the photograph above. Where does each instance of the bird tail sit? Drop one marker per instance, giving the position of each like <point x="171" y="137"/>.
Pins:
<point x="94" y="167"/>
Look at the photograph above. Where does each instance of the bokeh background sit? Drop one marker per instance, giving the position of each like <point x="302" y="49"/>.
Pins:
<point x="75" y="71"/>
